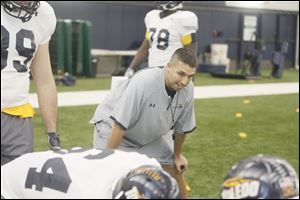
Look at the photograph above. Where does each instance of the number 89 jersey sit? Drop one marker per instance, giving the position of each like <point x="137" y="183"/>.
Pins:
<point x="78" y="173"/>
<point x="19" y="43"/>
<point x="165" y="35"/>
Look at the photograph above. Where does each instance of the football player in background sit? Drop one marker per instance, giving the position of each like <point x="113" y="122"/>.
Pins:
<point x="167" y="28"/>
<point x="85" y="174"/>
<point x="261" y="177"/>
<point x="26" y="28"/>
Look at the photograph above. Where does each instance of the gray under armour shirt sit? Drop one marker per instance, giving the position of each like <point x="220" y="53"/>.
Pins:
<point x="143" y="107"/>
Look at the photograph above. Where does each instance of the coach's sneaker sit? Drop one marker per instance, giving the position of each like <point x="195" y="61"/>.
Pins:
<point x="53" y="141"/>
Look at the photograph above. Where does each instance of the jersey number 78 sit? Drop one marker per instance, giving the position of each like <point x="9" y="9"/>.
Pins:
<point x="162" y="38"/>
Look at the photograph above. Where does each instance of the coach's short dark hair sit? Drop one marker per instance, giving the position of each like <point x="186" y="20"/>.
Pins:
<point x="186" y="56"/>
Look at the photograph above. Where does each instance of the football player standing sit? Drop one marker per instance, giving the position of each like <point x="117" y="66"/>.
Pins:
<point x="26" y="28"/>
<point x="167" y="28"/>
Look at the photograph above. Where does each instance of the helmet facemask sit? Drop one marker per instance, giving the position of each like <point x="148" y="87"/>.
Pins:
<point x="169" y="5"/>
<point x="21" y="9"/>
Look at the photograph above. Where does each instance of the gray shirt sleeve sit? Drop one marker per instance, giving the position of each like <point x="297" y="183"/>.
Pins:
<point x="127" y="109"/>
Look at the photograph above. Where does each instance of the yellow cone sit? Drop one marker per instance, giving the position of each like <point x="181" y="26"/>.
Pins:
<point x="188" y="188"/>
<point x="246" y="101"/>
<point x="238" y="115"/>
<point x="242" y="135"/>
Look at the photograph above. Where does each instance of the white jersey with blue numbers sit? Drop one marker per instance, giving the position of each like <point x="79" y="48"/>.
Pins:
<point x="78" y="173"/>
<point x="19" y="43"/>
<point x="165" y="34"/>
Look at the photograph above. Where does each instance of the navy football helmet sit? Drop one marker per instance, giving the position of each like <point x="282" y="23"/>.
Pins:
<point x="146" y="182"/>
<point x="261" y="177"/>
<point x="169" y="5"/>
<point x="21" y="9"/>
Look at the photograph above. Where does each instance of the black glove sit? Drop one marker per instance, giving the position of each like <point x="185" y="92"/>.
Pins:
<point x="53" y="141"/>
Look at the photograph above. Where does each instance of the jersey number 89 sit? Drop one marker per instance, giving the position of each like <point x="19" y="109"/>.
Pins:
<point x="21" y="49"/>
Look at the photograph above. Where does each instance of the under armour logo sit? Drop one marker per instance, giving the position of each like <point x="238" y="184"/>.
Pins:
<point x="152" y="105"/>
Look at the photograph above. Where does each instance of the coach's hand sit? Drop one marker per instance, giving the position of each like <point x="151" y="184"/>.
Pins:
<point x="181" y="163"/>
<point x="53" y="141"/>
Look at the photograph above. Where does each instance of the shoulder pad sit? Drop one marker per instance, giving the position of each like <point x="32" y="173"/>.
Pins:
<point x="187" y="19"/>
<point x="150" y="15"/>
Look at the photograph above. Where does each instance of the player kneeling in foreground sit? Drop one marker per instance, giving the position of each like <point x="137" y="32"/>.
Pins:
<point x="82" y="173"/>
<point x="261" y="177"/>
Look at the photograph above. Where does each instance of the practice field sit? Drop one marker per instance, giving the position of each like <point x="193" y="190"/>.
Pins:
<point x="201" y="79"/>
<point x="271" y="124"/>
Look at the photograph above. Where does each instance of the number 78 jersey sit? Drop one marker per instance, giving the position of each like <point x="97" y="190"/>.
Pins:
<point x="79" y="173"/>
<point x="165" y="35"/>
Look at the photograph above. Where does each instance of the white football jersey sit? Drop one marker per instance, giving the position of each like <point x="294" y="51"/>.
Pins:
<point x="19" y="43"/>
<point x="79" y="173"/>
<point x="165" y="34"/>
